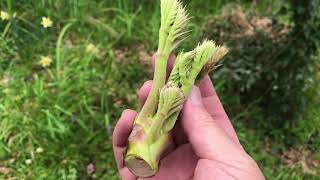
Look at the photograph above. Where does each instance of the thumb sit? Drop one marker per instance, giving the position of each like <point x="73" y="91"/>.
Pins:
<point x="208" y="139"/>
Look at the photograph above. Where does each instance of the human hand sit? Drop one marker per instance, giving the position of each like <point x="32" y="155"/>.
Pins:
<point x="204" y="143"/>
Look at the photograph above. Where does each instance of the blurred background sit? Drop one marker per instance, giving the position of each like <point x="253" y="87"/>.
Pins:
<point x="68" y="68"/>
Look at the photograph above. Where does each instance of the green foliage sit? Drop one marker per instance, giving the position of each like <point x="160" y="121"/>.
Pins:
<point x="270" y="60"/>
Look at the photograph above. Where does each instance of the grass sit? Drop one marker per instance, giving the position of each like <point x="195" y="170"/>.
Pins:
<point x="68" y="109"/>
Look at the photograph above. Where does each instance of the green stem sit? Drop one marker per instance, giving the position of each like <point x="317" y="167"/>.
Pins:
<point x="142" y="157"/>
<point x="9" y="7"/>
<point x="6" y="29"/>
<point x="59" y="59"/>
<point x="145" y="142"/>
<point x="150" y="105"/>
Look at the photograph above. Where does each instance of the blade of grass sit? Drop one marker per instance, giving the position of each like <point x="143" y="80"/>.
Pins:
<point x="59" y="59"/>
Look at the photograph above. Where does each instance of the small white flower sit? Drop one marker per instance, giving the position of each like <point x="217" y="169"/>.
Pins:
<point x="275" y="87"/>
<point x="91" y="48"/>
<point x="5" y="80"/>
<point x="28" y="161"/>
<point x="12" y="160"/>
<point x="39" y="150"/>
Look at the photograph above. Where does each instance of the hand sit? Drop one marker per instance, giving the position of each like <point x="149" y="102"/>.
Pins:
<point x="205" y="145"/>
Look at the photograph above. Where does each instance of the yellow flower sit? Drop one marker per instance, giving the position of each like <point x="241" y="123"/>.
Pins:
<point x="46" y="22"/>
<point x="4" y="15"/>
<point x="45" y="61"/>
<point x="91" y="48"/>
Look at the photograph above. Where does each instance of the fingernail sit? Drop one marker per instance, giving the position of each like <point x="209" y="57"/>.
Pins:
<point x="125" y="112"/>
<point x="195" y="97"/>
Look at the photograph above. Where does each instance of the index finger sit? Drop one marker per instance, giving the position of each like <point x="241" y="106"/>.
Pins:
<point x="121" y="134"/>
<point x="119" y="141"/>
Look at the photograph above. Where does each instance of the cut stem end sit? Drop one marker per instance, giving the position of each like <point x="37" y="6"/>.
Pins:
<point x="139" y="167"/>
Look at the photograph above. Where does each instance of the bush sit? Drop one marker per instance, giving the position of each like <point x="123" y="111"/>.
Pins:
<point x="269" y="60"/>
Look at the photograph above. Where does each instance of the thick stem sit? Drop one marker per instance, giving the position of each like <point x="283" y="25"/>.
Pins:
<point x="142" y="156"/>
<point x="146" y="144"/>
<point x="151" y="132"/>
<point x="143" y="151"/>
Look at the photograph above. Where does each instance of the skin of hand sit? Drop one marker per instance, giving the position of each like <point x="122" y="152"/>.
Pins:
<point x="204" y="144"/>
